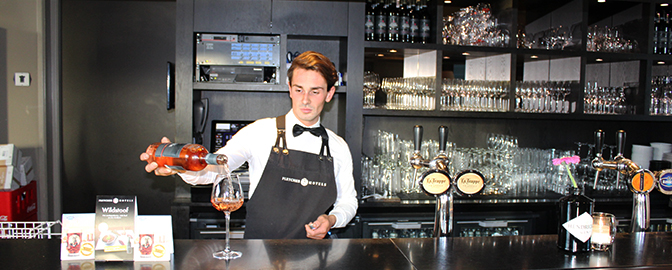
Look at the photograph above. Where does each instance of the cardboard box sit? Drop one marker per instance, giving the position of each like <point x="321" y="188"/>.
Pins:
<point x="26" y="173"/>
<point x="9" y="155"/>
<point x="8" y="180"/>
<point x="19" y="204"/>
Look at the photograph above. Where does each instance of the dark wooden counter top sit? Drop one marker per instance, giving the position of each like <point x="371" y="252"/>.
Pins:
<point x="643" y="251"/>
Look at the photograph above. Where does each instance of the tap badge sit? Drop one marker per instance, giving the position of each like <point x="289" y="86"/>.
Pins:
<point x="435" y="182"/>
<point x="470" y="182"/>
<point x="665" y="182"/>
<point x="643" y="181"/>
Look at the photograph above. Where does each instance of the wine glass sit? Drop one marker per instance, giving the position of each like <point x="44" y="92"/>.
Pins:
<point x="227" y="196"/>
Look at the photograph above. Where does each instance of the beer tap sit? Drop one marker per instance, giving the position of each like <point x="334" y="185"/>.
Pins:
<point x="640" y="181"/>
<point x="438" y="182"/>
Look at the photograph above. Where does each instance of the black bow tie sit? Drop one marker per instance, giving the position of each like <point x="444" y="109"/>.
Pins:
<point x="318" y="131"/>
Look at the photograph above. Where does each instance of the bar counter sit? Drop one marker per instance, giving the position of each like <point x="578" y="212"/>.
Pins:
<point x="630" y="251"/>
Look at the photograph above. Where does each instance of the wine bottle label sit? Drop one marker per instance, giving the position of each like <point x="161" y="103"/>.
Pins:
<point x="665" y="182"/>
<point x="381" y="25"/>
<point x="369" y="27"/>
<point x="424" y="28"/>
<point x="642" y="181"/>
<point x="393" y="25"/>
<point x="169" y="150"/>
<point x="470" y="183"/>
<point x="435" y="183"/>
<point x="580" y="227"/>
<point x="405" y="25"/>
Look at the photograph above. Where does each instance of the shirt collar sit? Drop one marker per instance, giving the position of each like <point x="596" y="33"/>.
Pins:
<point x="291" y="120"/>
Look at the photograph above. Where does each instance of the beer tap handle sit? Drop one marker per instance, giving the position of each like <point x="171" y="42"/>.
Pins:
<point x="620" y="140"/>
<point x="417" y="138"/>
<point x="620" y="145"/>
<point x="416" y="159"/>
<point x="443" y="138"/>
<point x="599" y="141"/>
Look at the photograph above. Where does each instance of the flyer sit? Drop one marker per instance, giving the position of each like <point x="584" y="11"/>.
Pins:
<point x="154" y="239"/>
<point x="114" y="227"/>
<point x="77" y="238"/>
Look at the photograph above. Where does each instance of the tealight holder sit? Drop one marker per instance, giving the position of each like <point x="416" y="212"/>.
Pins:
<point x="604" y="231"/>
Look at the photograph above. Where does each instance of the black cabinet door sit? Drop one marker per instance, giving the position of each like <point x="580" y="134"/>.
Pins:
<point x="232" y="16"/>
<point x="114" y="57"/>
<point x="319" y="18"/>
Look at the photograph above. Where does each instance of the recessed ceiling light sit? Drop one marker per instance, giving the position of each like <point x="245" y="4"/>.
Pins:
<point x="660" y="63"/>
<point x="447" y="1"/>
<point x="534" y="57"/>
<point x="601" y="1"/>
<point x="380" y="55"/>
<point x="598" y="60"/>
<point x="465" y="53"/>
<point x="446" y="57"/>
<point x="663" y="4"/>
<point x="393" y="51"/>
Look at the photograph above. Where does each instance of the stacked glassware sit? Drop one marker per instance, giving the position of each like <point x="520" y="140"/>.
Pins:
<point x="604" y="100"/>
<point x="474" y="26"/>
<point x="661" y="95"/>
<point x="474" y="95"/>
<point x="415" y="93"/>
<point x="543" y="96"/>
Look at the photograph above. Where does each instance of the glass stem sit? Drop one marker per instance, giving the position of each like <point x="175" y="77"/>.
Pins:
<point x="228" y="235"/>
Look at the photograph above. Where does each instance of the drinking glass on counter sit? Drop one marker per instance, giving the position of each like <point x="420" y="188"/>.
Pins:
<point x="474" y="95"/>
<point x="387" y="173"/>
<point x="227" y="196"/>
<point x="543" y="96"/>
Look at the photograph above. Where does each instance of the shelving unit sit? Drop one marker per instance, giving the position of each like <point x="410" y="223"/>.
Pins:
<point x="336" y="28"/>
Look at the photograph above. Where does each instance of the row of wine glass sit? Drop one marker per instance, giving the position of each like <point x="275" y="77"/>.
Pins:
<point x="418" y="93"/>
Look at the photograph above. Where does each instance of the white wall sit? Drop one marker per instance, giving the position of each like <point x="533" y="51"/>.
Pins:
<point x="22" y="21"/>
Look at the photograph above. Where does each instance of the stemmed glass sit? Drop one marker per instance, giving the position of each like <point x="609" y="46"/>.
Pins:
<point x="227" y="196"/>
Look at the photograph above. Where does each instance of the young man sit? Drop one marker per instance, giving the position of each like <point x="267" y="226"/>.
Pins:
<point x="291" y="191"/>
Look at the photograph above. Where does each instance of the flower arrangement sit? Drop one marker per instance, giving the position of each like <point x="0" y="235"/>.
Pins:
<point x="566" y="161"/>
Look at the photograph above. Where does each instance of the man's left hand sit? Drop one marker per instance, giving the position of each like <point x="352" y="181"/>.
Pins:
<point x="320" y="227"/>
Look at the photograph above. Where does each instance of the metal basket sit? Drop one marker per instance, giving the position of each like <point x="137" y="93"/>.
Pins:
<point x="28" y="230"/>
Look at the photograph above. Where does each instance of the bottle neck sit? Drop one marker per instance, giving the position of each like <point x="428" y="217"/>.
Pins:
<point x="215" y="159"/>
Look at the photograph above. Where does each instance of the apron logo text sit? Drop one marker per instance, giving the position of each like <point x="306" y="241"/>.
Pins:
<point x="304" y="182"/>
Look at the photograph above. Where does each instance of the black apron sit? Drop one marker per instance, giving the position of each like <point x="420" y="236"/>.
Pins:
<point x="295" y="188"/>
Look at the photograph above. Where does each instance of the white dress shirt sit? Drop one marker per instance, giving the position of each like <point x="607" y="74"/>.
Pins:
<point x="253" y="144"/>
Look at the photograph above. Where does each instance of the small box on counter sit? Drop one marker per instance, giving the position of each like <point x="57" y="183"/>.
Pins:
<point x="19" y="204"/>
<point x="26" y="173"/>
<point x="8" y="178"/>
<point x="9" y="155"/>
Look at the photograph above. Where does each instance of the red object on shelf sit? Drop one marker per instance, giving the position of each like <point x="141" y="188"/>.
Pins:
<point x="19" y="204"/>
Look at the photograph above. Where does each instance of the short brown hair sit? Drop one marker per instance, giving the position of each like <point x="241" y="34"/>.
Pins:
<point x="315" y="61"/>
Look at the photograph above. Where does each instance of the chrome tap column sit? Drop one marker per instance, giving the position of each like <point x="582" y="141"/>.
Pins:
<point x="438" y="182"/>
<point x="641" y="181"/>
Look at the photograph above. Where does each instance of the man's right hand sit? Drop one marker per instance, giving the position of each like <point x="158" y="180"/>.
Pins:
<point x="153" y="167"/>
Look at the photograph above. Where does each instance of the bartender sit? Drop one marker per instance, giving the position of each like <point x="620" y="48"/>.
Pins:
<point x="307" y="189"/>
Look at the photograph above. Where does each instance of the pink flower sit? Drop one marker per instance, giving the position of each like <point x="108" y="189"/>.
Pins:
<point x="566" y="160"/>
